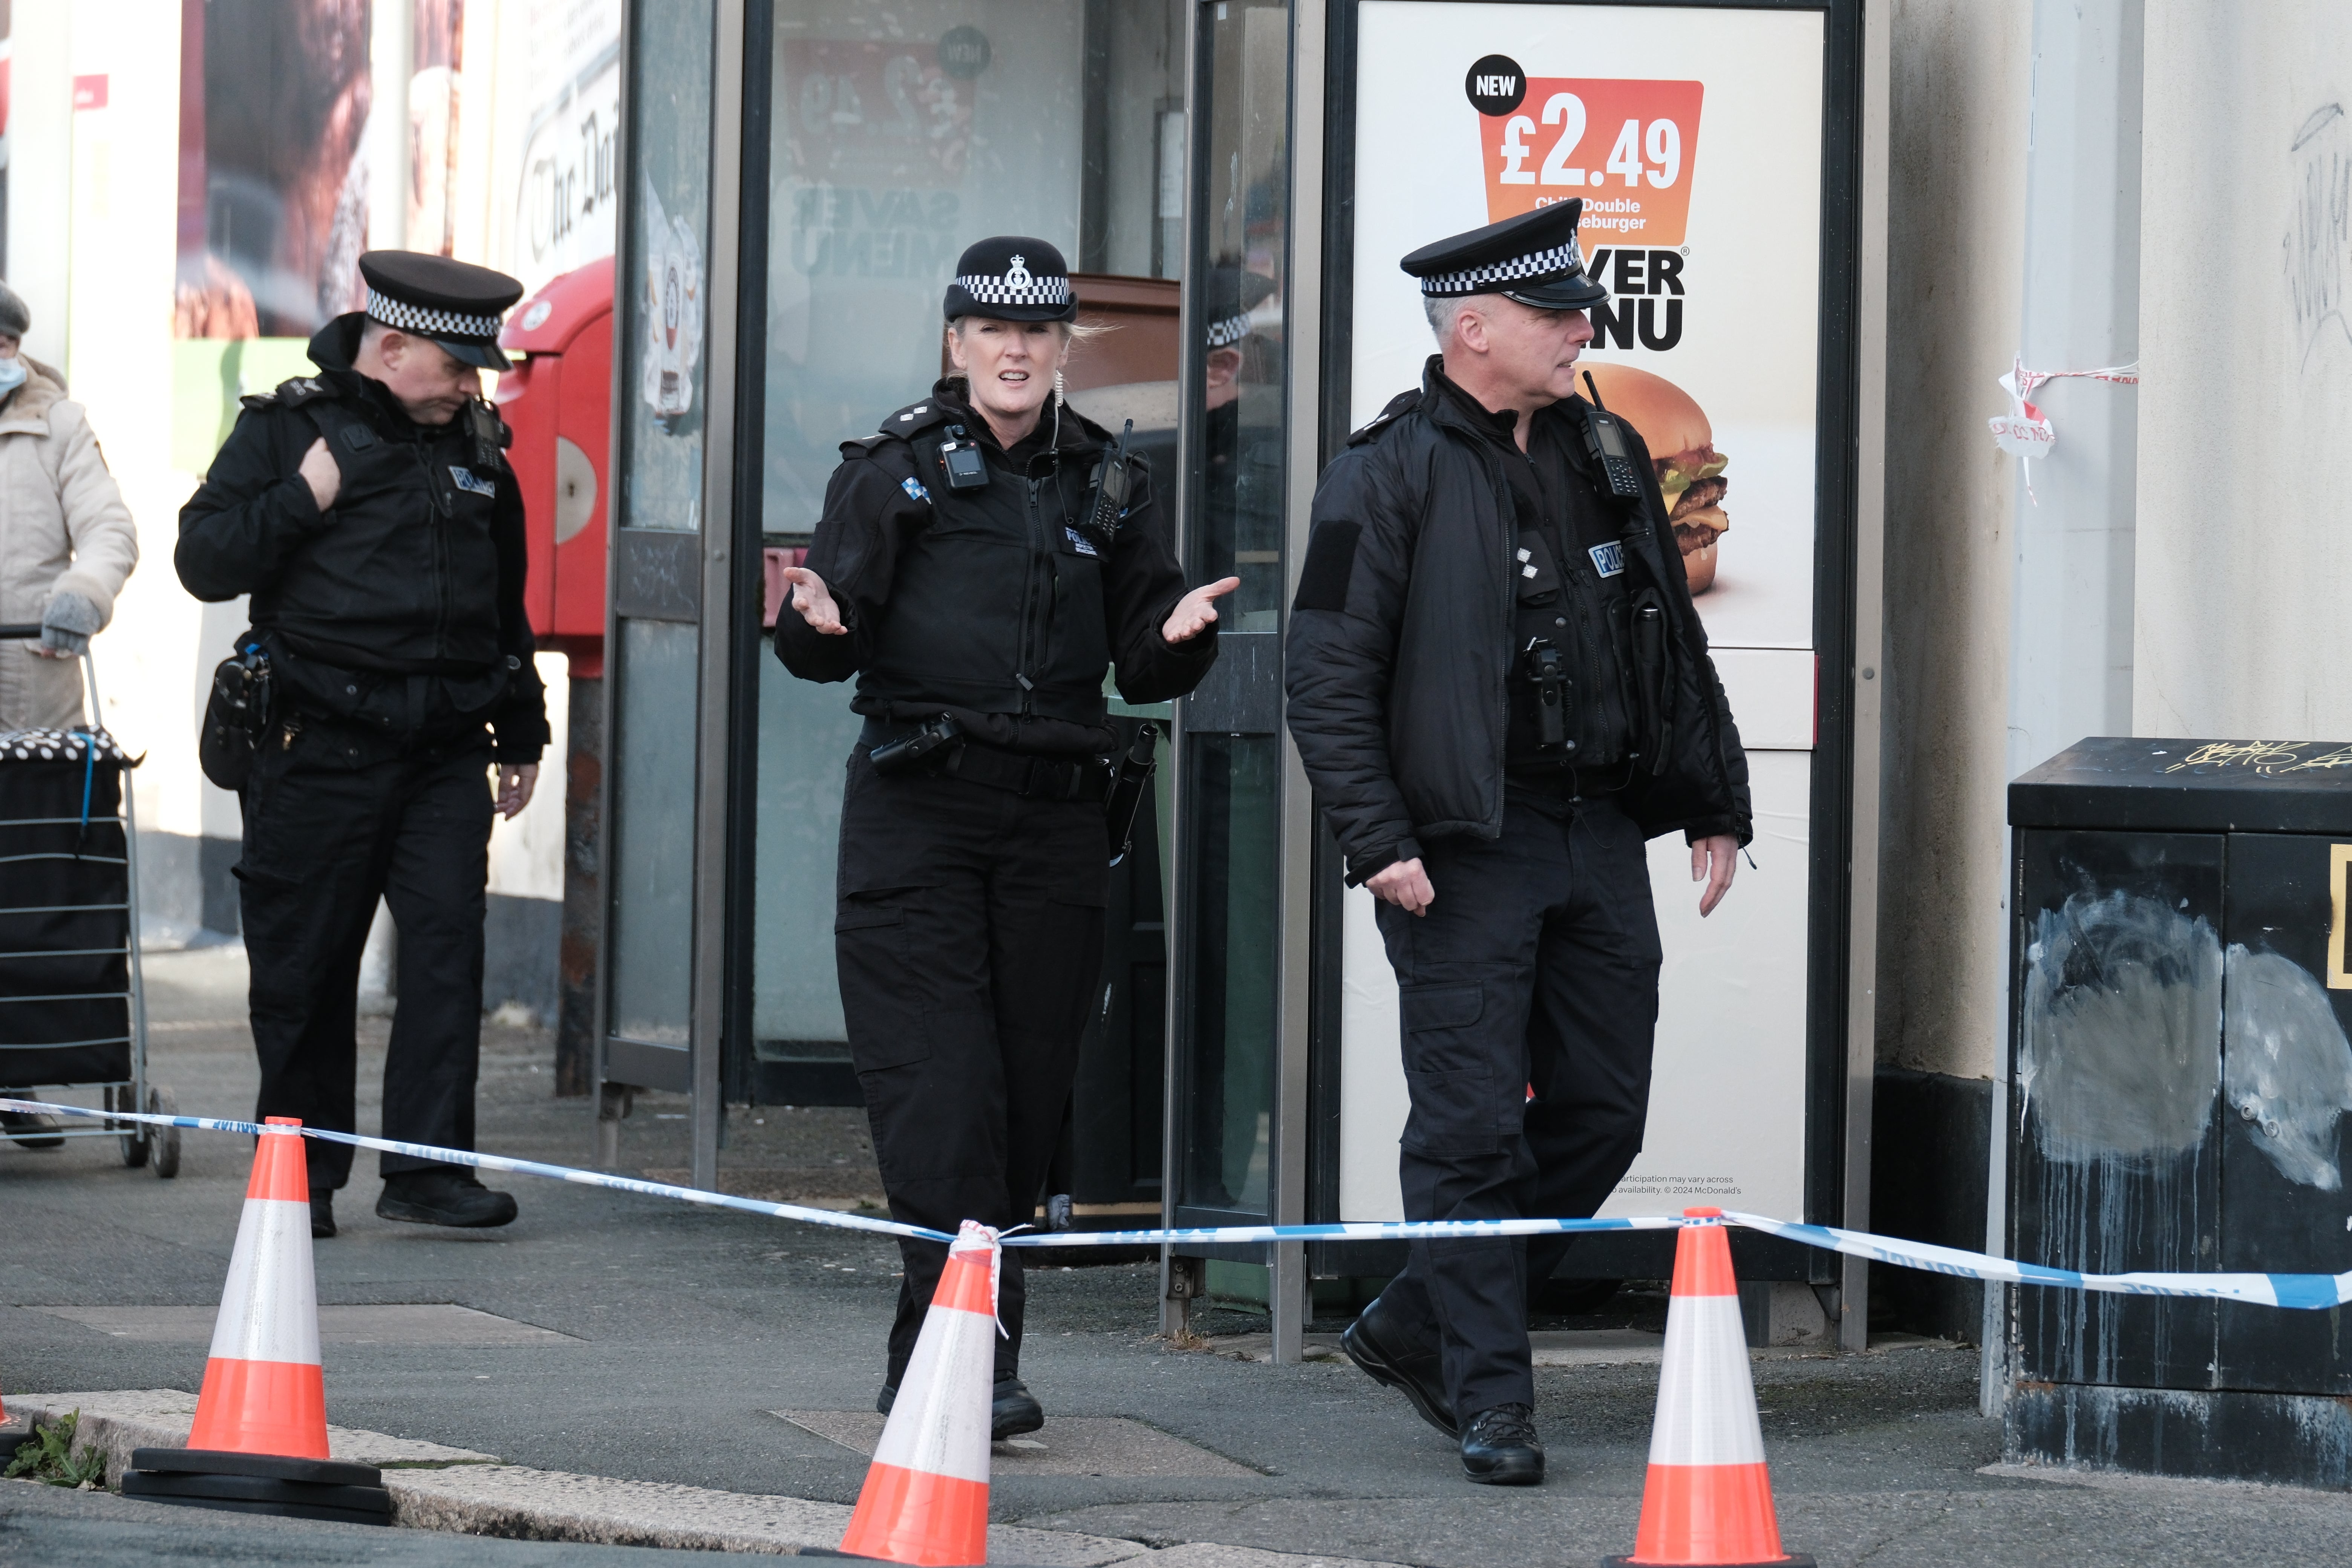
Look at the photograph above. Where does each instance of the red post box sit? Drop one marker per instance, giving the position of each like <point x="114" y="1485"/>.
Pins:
<point x="559" y="400"/>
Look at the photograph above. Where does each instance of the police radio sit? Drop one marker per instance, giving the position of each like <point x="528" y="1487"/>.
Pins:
<point x="1605" y="440"/>
<point x="967" y="467"/>
<point x="1110" y="491"/>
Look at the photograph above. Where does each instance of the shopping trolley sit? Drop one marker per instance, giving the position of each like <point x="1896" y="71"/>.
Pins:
<point x="73" y="1009"/>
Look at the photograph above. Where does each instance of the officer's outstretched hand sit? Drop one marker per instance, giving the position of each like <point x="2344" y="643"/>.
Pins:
<point x="320" y="472"/>
<point x="516" y="780"/>
<point x="1713" y="860"/>
<point x="1196" y="610"/>
<point x="813" y="601"/>
<point x="1405" y="884"/>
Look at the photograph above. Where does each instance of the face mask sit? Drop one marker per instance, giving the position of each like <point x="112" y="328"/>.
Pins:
<point x="11" y="374"/>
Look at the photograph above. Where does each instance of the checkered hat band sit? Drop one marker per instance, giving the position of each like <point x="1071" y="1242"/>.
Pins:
<point x="1542" y="265"/>
<point x="992" y="291"/>
<point x="1226" y="333"/>
<point x="410" y="317"/>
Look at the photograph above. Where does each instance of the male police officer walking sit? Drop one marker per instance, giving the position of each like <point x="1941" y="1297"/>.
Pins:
<point x="1499" y="690"/>
<point x="965" y="574"/>
<point x="369" y="512"/>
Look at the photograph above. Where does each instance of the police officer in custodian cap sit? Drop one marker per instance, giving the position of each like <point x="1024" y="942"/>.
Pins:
<point x="369" y="512"/>
<point x="980" y="564"/>
<point x="1500" y="691"/>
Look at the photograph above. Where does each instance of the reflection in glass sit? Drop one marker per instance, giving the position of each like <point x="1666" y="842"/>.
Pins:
<point x="806" y="732"/>
<point x="652" y="832"/>
<point x="1237" y="429"/>
<point x="661" y="282"/>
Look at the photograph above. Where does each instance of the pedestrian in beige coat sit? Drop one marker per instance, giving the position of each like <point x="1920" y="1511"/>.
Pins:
<point x="66" y="541"/>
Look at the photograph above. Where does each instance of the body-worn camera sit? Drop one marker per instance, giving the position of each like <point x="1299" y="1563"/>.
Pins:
<point x="966" y="465"/>
<point x="1546" y="666"/>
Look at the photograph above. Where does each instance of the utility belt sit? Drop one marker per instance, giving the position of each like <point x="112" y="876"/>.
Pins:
<point x="1563" y="782"/>
<point x="937" y="747"/>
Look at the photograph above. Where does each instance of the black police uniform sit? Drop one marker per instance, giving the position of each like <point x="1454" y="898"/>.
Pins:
<point x="972" y="890"/>
<point x="395" y="628"/>
<point x="1495" y="668"/>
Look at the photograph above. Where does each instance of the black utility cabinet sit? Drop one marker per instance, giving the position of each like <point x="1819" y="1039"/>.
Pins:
<point x="2178" y="1061"/>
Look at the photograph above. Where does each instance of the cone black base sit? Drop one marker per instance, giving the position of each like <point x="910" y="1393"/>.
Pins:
<point x="276" y="1484"/>
<point x="1792" y="1560"/>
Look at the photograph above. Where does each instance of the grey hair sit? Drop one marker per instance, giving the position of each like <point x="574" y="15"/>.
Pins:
<point x="1443" y="311"/>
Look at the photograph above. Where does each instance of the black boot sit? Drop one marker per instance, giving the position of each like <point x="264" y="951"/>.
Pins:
<point x="444" y="1194"/>
<point x="1011" y="1410"/>
<point x="1374" y="1345"/>
<point x="322" y="1213"/>
<point x="1501" y="1448"/>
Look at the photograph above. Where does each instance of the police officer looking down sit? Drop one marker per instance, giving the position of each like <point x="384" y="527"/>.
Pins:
<point x="979" y="566"/>
<point x="1499" y="691"/>
<point x="369" y="512"/>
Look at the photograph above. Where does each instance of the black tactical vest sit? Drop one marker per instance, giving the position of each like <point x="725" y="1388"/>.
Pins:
<point x="997" y="604"/>
<point x="403" y="573"/>
<point x="1570" y="642"/>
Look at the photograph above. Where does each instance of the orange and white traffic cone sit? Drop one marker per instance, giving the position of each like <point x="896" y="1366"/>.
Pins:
<point x="1708" y="1498"/>
<point x="259" y="1441"/>
<point x="265" y="1391"/>
<point x="925" y="1496"/>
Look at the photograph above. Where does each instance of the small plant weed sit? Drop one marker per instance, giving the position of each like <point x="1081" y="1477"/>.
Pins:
<point x="49" y="1457"/>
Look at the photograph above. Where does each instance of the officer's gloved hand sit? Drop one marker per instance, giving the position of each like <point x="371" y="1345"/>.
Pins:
<point x="67" y="625"/>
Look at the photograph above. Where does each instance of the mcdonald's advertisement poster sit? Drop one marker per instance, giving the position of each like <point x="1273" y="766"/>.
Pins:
<point x="1694" y="139"/>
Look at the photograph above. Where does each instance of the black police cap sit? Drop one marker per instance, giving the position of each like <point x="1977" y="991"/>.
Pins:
<point x="1230" y="294"/>
<point x="1531" y="258"/>
<point x="454" y="303"/>
<point x="1013" y="277"/>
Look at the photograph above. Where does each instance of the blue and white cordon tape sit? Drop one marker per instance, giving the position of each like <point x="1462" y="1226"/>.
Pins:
<point x="2303" y="1290"/>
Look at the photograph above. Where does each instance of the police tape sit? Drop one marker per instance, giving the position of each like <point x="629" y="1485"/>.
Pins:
<point x="2309" y="1291"/>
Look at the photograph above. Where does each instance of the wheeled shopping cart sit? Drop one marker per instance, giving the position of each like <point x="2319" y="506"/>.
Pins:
<point x="73" y="1011"/>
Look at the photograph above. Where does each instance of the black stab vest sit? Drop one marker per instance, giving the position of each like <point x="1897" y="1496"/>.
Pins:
<point x="997" y="606"/>
<point x="403" y="573"/>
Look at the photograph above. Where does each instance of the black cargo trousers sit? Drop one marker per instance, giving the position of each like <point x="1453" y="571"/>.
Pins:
<point x="968" y="931"/>
<point x="1536" y="967"/>
<point x="334" y="821"/>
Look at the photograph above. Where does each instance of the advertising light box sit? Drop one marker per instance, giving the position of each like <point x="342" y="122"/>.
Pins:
<point x="1701" y="141"/>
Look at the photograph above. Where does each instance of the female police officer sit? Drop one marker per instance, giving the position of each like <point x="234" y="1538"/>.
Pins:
<point x="978" y="565"/>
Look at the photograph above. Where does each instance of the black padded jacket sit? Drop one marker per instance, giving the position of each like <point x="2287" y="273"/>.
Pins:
<point x="1400" y="646"/>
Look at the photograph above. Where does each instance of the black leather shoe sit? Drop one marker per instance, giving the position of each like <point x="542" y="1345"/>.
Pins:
<point x="1501" y="1450"/>
<point x="1383" y="1354"/>
<point x="1012" y="1411"/>
<point x="444" y="1197"/>
<point x="322" y="1213"/>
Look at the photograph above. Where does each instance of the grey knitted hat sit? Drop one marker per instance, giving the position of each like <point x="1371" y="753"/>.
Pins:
<point x="14" y="319"/>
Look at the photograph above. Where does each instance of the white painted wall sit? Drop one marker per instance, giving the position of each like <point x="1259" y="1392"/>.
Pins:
<point x="1955" y="242"/>
<point x="2246" y="350"/>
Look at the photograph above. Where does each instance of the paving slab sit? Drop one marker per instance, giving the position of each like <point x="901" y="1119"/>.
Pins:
<point x="541" y="1505"/>
<point x="1101" y="1446"/>
<point x="391" y="1323"/>
<point x="118" y="1421"/>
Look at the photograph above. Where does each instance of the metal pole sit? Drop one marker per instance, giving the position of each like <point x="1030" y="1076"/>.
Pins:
<point x="1869" y="644"/>
<point x="714" y="734"/>
<point x="131" y="874"/>
<point x="1290" y="1294"/>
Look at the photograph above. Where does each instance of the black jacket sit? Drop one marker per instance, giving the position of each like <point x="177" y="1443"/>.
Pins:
<point x="417" y="571"/>
<point x="954" y="599"/>
<point x="1399" y="647"/>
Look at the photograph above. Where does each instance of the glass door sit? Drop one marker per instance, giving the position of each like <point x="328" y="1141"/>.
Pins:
<point x="1235" y="440"/>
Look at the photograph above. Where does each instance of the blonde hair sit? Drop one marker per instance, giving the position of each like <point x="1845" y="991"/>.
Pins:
<point x="1074" y="334"/>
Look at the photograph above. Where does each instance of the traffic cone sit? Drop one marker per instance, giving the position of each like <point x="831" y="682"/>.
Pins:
<point x="264" y="1390"/>
<point x="259" y="1441"/>
<point x="1708" y="1498"/>
<point x="925" y="1496"/>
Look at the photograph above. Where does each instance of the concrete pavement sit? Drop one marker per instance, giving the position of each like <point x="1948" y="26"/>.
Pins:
<point x="648" y="1342"/>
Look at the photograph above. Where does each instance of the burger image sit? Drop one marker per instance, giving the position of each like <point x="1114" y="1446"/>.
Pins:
<point x="1682" y="449"/>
